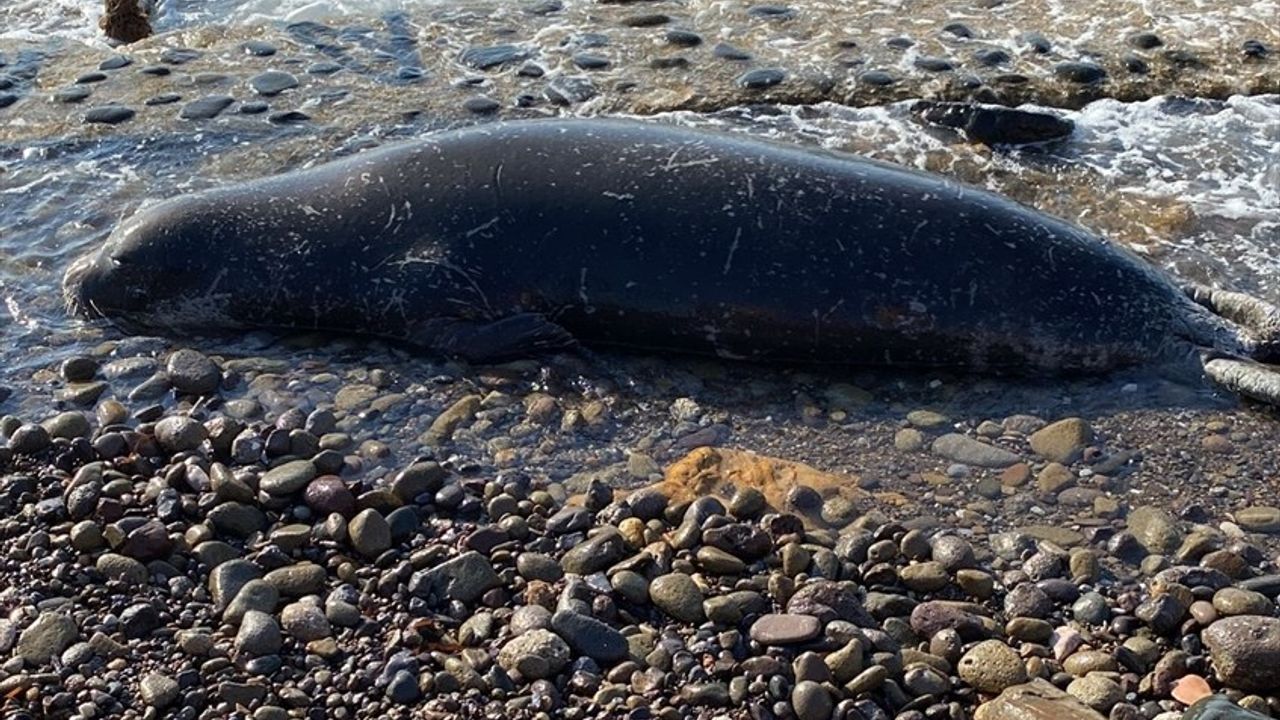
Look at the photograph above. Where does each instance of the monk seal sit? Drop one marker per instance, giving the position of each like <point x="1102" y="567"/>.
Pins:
<point x="504" y="239"/>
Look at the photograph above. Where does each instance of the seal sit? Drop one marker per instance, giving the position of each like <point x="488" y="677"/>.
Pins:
<point x="506" y="239"/>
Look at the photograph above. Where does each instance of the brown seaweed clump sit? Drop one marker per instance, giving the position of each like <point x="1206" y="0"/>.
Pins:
<point x="125" y="20"/>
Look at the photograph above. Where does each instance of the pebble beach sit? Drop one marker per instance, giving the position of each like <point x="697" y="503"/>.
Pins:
<point x="305" y="526"/>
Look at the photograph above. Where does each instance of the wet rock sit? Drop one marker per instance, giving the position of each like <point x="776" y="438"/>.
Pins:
<point x="494" y="56"/>
<point x="205" y="108"/>
<point x="288" y="478"/>
<point x="178" y="433"/>
<point x="1259" y="518"/>
<point x="570" y="89"/>
<point x="297" y="580"/>
<point x="109" y="115"/>
<point x="273" y="82"/>
<point x="762" y="78"/>
<point x="1084" y="73"/>
<point x="995" y="125"/>
<point x="193" y="373"/>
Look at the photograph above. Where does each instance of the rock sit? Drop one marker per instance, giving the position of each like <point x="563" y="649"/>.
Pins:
<point x="193" y="373"/>
<point x="588" y="636"/>
<point x="272" y="82"/>
<point x="1260" y="518"/>
<point x="1036" y="700"/>
<point x="535" y="655"/>
<point x="298" y="580"/>
<point x="178" y="433"/>
<point x="29" y="439"/>
<point x="46" y="638"/>
<point x="994" y="125"/>
<point x="227" y="579"/>
<point x="370" y="534"/>
<point x="259" y="635"/>
<point x="158" y="690"/>
<point x="1246" y="651"/>
<point x="257" y="595"/>
<point x="598" y="553"/>
<point x="109" y="115"/>
<point x="206" y="108"/>
<point x="784" y="629"/>
<point x="964" y="449"/>
<point x="122" y="569"/>
<point x="991" y="667"/>
<point x="1063" y="441"/>
<point x="305" y="621"/>
<point x="811" y="701"/>
<point x="1155" y="529"/>
<point x="329" y="494"/>
<point x="237" y="520"/>
<point x="288" y="478"/>
<point x="69" y="425"/>
<point x="1096" y="691"/>
<point x="464" y="578"/>
<point x="679" y="596"/>
<point x="928" y="618"/>
<point x="447" y="423"/>
<point x="924" y="577"/>
<point x="1235" y="601"/>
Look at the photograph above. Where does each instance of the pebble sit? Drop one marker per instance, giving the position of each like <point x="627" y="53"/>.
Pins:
<point x="158" y="690"/>
<point x="369" y="532"/>
<point x="784" y="629"/>
<point x="109" y="115"/>
<point x="259" y="634"/>
<point x="206" y="108"/>
<point x="535" y="655"/>
<point x="46" y="638"/>
<point x="679" y="596"/>
<point x="991" y="667"/>
<point x="964" y="449"/>
<point x="273" y="82"/>
<point x="1246" y="651"/>
<point x="762" y="78"/>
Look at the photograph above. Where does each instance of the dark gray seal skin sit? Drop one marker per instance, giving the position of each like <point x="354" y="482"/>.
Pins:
<point x="505" y="239"/>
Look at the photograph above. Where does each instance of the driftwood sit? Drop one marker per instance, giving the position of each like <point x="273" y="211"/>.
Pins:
<point x="125" y="20"/>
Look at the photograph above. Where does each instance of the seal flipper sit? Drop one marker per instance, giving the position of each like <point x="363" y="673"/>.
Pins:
<point x="1259" y="318"/>
<point x="1250" y="379"/>
<point x="514" y="336"/>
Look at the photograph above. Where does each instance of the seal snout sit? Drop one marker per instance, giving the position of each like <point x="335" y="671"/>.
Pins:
<point x="91" y="288"/>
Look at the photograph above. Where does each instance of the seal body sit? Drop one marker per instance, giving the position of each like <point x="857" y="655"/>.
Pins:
<point x="501" y="239"/>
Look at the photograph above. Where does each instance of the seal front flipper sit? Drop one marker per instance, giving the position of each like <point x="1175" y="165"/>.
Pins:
<point x="511" y="337"/>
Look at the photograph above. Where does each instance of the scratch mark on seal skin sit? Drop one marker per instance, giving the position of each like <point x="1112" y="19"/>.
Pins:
<point x="672" y="165"/>
<point x="390" y="219"/>
<point x="618" y="196"/>
<point x="582" y="291"/>
<point x="728" y="261"/>
<point x="481" y="228"/>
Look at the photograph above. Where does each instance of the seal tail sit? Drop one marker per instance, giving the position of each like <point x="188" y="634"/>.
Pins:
<point x="1259" y="319"/>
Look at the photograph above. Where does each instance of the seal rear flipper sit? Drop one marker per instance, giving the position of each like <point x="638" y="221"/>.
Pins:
<point x="1250" y="379"/>
<point x="511" y="337"/>
<point x="1259" y="318"/>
